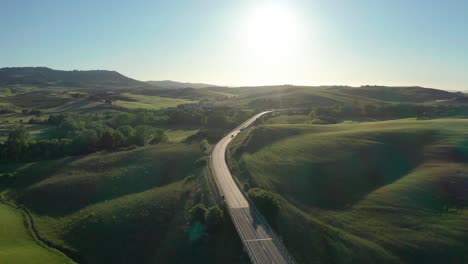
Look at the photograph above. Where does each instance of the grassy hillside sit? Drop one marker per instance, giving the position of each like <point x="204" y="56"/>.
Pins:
<point x="392" y="191"/>
<point x="398" y="94"/>
<point x="177" y="136"/>
<point x="17" y="244"/>
<point x="201" y="94"/>
<point x="126" y="206"/>
<point x="149" y="102"/>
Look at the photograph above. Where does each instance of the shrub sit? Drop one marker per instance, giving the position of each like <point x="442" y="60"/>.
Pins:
<point x="204" y="146"/>
<point x="86" y="141"/>
<point x="266" y="202"/>
<point x="214" y="218"/>
<point x="111" y="139"/>
<point x="128" y="132"/>
<point x="201" y="162"/>
<point x="197" y="213"/>
<point x="17" y="143"/>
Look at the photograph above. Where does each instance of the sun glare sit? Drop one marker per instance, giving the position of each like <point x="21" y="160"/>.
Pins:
<point x="272" y="30"/>
<point x="272" y="37"/>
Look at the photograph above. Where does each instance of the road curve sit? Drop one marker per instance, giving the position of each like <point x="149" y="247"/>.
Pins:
<point x="258" y="238"/>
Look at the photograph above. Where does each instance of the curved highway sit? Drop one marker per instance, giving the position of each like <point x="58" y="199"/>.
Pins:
<point x="257" y="237"/>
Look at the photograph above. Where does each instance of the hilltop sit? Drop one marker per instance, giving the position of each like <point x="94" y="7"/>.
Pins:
<point x="43" y="76"/>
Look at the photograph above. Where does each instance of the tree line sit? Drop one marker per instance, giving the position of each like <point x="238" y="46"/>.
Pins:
<point x="21" y="147"/>
<point x="207" y="118"/>
<point x="76" y="134"/>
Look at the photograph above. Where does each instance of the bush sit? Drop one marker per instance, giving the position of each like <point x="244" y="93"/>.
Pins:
<point x="86" y="141"/>
<point x="266" y="202"/>
<point x="144" y="134"/>
<point x="111" y="139"/>
<point x="197" y="213"/>
<point x="129" y="134"/>
<point x="201" y="162"/>
<point x="17" y="143"/>
<point x="214" y="218"/>
<point x="204" y="146"/>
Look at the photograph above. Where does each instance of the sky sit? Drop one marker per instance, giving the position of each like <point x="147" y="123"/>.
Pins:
<point x="245" y="42"/>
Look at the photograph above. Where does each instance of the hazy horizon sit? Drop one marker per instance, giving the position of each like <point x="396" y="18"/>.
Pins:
<point x="246" y="43"/>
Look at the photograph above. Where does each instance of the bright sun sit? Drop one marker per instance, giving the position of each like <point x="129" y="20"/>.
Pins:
<point x="272" y="30"/>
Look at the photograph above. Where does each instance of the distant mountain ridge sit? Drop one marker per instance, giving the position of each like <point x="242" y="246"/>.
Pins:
<point x="177" y="85"/>
<point x="43" y="76"/>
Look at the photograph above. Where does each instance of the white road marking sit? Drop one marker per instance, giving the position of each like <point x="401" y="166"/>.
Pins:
<point x="259" y="239"/>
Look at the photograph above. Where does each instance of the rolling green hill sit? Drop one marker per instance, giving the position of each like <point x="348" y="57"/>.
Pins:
<point x="398" y="94"/>
<point x="289" y="96"/>
<point x="139" y="101"/>
<point x="393" y="191"/>
<point x="202" y="94"/>
<point x="126" y="206"/>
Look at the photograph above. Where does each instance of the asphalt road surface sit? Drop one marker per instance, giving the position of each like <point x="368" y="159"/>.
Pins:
<point x="257" y="237"/>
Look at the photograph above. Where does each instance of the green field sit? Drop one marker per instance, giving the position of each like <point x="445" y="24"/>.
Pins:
<point x="18" y="246"/>
<point x="177" y="136"/>
<point x="149" y="102"/>
<point x="393" y="191"/>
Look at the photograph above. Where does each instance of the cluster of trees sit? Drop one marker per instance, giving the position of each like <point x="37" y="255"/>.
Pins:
<point x="206" y="118"/>
<point x="73" y="134"/>
<point x="20" y="147"/>
<point x="212" y="217"/>
<point x="334" y="114"/>
<point x="214" y="118"/>
<point x="106" y="131"/>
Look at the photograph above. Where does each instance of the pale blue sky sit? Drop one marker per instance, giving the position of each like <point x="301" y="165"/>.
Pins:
<point x="245" y="42"/>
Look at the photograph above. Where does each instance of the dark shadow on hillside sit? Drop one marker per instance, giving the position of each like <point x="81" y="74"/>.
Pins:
<point x="40" y="170"/>
<point x="453" y="191"/>
<point x="76" y="183"/>
<point x="342" y="183"/>
<point x="339" y="184"/>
